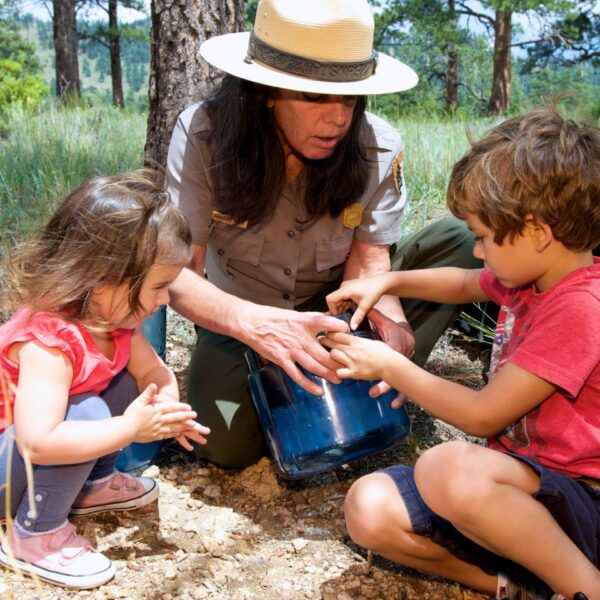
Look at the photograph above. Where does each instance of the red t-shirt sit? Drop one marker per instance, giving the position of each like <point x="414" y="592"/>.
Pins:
<point x="92" y="370"/>
<point x="556" y="336"/>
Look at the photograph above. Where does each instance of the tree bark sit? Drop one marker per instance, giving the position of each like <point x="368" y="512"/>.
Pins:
<point x="178" y="76"/>
<point x="115" y="54"/>
<point x="452" y="79"/>
<point x="65" y="45"/>
<point x="502" y="75"/>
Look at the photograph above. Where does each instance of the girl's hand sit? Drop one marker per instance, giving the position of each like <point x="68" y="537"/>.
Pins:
<point x="151" y="420"/>
<point x="364" y="292"/>
<point x="195" y="433"/>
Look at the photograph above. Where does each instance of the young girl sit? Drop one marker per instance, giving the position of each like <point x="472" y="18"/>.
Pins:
<point x="75" y="361"/>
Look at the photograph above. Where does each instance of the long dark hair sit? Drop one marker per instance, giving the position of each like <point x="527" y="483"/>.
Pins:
<point x="248" y="168"/>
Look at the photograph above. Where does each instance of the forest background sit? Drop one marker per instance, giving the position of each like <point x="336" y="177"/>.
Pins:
<point x="84" y="92"/>
<point x="477" y="61"/>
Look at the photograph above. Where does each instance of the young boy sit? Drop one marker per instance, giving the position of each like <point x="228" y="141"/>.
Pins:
<point x="519" y="518"/>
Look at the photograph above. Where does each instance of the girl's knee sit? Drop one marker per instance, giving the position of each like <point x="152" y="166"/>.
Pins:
<point x="121" y="392"/>
<point x="87" y="407"/>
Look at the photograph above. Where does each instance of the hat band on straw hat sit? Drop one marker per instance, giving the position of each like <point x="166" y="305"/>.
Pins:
<point x="309" y="67"/>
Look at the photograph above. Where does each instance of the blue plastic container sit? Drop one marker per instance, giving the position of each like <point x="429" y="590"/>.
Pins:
<point x="310" y="434"/>
<point x="136" y="457"/>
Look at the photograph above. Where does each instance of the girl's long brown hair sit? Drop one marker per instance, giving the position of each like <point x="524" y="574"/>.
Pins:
<point x="108" y="231"/>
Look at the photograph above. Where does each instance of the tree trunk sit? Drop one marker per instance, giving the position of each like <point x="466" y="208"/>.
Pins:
<point x="501" y="78"/>
<point x="115" y="54"/>
<point x="65" y="46"/>
<point x="178" y="76"/>
<point x="452" y="64"/>
<point x="452" y="79"/>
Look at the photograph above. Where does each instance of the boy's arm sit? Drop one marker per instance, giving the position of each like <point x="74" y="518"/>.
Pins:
<point x="446" y="285"/>
<point x="372" y="260"/>
<point x="512" y="393"/>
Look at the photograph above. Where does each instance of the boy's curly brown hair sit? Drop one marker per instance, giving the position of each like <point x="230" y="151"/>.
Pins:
<point x="537" y="164"/>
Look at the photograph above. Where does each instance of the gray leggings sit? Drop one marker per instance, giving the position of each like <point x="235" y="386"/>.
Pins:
<point x="218" y="380"/>
<point x="55" y="487"/>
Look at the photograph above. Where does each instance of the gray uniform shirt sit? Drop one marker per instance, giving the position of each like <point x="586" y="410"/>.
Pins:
<point x="285" y="261"/>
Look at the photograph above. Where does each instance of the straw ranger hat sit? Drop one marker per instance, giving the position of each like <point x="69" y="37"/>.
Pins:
<point x="315" y="46"/>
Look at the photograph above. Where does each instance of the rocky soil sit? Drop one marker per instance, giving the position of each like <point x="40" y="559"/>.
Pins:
<point x="237" y="535"/>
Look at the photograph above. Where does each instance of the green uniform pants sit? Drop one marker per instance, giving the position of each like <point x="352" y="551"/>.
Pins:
<point x="218" y="381"/>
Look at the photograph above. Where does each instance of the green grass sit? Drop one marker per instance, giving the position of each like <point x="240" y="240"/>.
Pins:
<point x="46" y="154"/>
<point x="431" y="148"/>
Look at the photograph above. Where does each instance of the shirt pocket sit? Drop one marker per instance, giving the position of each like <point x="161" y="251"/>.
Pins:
<point x="331" y="253"/>
<point x="235" y="248"/>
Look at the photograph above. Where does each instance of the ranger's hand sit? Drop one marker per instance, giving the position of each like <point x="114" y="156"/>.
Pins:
<point x="289" y="339"/>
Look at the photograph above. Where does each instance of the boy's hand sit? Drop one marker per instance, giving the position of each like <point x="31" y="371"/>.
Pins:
<point x="361" y="358"/>
<point x="399" y="337"/>
<point x="364" y="292"/>
<point x="151" y="420"/>
<point x="383" y="387"/>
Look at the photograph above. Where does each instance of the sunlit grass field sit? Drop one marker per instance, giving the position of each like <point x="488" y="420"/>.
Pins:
<point x="431" y="148"/>
<point x="44" y="155"/>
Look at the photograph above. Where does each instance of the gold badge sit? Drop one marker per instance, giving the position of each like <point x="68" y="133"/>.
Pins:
<point x="353" y="215"/>
<point x="223" y="218"/>
<point x="397" y="171"/>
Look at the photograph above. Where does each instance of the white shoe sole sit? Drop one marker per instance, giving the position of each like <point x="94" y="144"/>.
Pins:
<point x="80" y="582"/>
<point x="150" y="496"/>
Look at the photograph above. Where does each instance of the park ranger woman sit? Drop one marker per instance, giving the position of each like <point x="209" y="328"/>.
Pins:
<point x="291" y="186"/>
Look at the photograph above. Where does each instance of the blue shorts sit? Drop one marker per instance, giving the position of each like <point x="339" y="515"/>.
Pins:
<point x="574" y="506"/>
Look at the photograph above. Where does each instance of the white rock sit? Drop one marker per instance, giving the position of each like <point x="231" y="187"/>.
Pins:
<point x="299" y="544"/>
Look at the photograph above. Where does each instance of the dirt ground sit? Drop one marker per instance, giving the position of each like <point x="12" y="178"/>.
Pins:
<point x="237" y="535"/>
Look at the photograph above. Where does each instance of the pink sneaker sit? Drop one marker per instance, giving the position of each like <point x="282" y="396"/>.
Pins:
<point x="118" y="492"/>
<point x="60" y="557"/>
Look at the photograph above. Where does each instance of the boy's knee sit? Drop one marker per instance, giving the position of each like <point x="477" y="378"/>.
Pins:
<point x="367" y="509"/>
<point x="448" y="475"/>
<point x="438" y="467"/>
